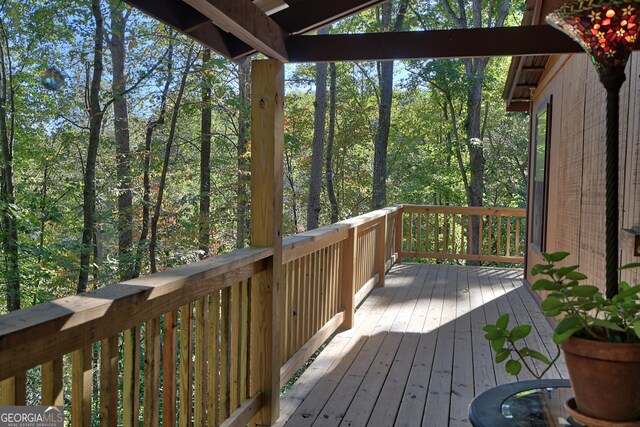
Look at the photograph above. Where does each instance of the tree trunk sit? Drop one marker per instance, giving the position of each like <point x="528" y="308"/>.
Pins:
<point x="7" y="191"/>
<point x="165" y="165"/>
<point x="242" y="196"/>
<point x="385" y="79"/>
<point x="121" y="128"/>
<point x="319" y="122"/>
<point x="330" y="140"/>
<point x="205" y="161"/>
<point x="95" y="124"/>
<point x="475" y="69"/>
<point x="146" y="195"/>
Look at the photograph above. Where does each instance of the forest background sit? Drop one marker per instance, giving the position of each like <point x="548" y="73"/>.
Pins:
<point x="139" y="160"/>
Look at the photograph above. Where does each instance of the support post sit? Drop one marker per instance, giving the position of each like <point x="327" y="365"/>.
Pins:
<point x="381" y="245"/>
<point x="346" y="283"/>
<point x="399" y="223"/>
<point x="267" y="147"/>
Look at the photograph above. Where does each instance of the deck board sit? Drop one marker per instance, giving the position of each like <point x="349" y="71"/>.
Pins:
<point x="416" y="354"/>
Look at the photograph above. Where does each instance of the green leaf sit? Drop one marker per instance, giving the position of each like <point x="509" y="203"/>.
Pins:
<point x="502" y="356"/>
<point x="498" y="344"/>
<point x="555" y="256"/>
<point x="576" y="275"/>
<point x="542" y="284"/>
<point x="585" y="291"/>
<point x="630" y="265"/>
<point x="520" y="332"/>
<point x="551" y="303"/>
<point x="539" y="356"/>
<point x="494" y="334"/>
<point x="608" y="325"/>
<point x="503" y="321"/>
<point x="513" y="367"/>
<point x="566" y="270"/>
<point x="567" y="323"/>
<point x="636" y="327"/>
<point x="629" y="292"/>
<point x="559" y="338"/>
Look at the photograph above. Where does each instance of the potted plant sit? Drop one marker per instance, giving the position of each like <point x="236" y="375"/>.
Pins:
<point x="600" y="339"/>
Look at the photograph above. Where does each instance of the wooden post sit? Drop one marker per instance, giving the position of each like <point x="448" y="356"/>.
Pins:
<point x="399" y="224"/>
<point x="267" y="147"/>
<point x="52" y="383"/>
<point x="381" y="243"/>
<point x="349" y="253"/>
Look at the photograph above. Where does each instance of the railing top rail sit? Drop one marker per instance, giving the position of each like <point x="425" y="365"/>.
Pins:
<point x="470" y="210"/>
<point x="39" y="333"/>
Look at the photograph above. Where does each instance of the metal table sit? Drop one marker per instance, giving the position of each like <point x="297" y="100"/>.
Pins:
<point x="537" y="403"/>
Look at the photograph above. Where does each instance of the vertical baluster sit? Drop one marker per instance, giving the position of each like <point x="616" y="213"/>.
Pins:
<point x="186" y="364"/>
<point x="151" y="372"/>
<point x="52" y="383"/>
<point x="213" y="372"/>
<point x="169" y="368"/>
<point x="224" y="355"/>
<point x="234" y="348"/>
<point x="131" y="378"/>
<point x="82" y="381"/>
<point x="200" y="366"/>
<point x="508" y="236"/>
<point x="436" y="234"/>
<point x="410" y="238"/>
<point x="489" y="239"/>
<point x="244" y="341"/>
<point x="470" y="233"/>
<point x="480" y="236"/>
<point x="517" y="236"/>
<point x="445" y="233"/>
<point x="499" y="243"/>
<point x="109" y="381"/>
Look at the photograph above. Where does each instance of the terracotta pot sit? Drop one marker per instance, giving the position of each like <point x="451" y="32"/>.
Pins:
<point x="605" y="378"/>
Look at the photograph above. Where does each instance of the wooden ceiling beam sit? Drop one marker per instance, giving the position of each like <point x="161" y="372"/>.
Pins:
<point x="303" y="16"/>
<point x="186" y="19"/>
<point x="466" y="43"/>
<point x="248" y="23"/>
<point x="307" y="15"/>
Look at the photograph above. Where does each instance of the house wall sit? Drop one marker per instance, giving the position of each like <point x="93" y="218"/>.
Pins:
<point x="576" y="174"/>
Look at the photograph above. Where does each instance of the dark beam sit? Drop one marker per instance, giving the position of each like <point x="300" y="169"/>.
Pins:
<point x="247" y="22"/>
<point x="477" y="42"/>
<point x="307" y="15"/>
<point x="303" y="16"/>
<point x="186" y="19"/>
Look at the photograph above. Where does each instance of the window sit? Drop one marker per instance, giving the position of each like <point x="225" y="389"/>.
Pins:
<point x="540" y="166"/>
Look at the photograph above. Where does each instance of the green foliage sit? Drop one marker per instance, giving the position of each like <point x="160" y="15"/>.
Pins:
<point x="584" y="311"/>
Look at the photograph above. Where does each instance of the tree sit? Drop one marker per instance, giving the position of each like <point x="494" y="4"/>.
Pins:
<point x="319" y="122"/>
<point x="165" y="164"/>
<point x="7" y="190"/>
<point x="126" y="259"/>
<point x="242" y="197"/>
<point x="475" y="72"/>
<point x="204" y="226"/>
<point x="385" y="79"/>
<point x="330" y="141"/>
<point x="95" y="124"/>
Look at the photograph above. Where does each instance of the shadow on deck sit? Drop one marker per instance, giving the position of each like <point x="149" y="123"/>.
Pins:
<point x="416" y="354"/>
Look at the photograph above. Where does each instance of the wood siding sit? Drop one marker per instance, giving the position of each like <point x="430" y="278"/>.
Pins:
<point x="576" y="202"/>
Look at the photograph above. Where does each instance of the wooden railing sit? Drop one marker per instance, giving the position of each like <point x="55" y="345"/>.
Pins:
<point x="445" y="232"/>
<point x="176" y="346"/>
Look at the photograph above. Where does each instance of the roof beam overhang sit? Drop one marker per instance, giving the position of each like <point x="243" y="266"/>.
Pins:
<point x="186" y="19"/>
<point x="303" y="16"/>
<point x="465" y="43"/>
<point x="248" y="23"/>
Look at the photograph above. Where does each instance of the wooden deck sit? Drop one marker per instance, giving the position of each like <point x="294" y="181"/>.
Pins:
<point x="416" y="355"/>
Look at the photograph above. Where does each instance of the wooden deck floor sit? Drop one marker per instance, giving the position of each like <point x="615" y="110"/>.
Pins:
<point x="416" y="355"/>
